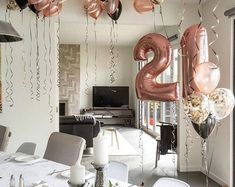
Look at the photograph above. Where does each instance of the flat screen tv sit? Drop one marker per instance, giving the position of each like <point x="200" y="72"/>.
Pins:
<point x="111" y="96"/>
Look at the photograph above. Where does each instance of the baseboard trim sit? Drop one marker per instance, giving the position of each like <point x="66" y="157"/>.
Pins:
<point x="215" y="178"/>
<point x="189" y="168"/>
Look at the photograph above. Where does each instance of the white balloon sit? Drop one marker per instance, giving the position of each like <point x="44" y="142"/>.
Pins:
<point x="196" y="107"/>
<point x="222" y="102"/>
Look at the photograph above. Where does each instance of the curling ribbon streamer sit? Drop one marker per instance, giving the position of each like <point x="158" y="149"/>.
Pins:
<point x="23" y="50"/>
<point x="37" y="64"/>
<point x="58" y="52"/>
<point x="179" y="27"/>
<point x="154" y="20"/>
<point x="30" y="60"/>
<point x="87" y="55"/>
<point x="51" y="117"/>
<point x="7" y="65"/>
<point x="204" y="158"/>
<point x="116" y="43"/>
<point x="188" y="143"/>
<point x="10" y="72"/>
<point x="112" y="57"/>
<point x="45" y="57"/>
<point x="163" y="22"/>
<point x="95" y="63"/>
<point x="213" y="27"/>
<point x="141" y="145"/>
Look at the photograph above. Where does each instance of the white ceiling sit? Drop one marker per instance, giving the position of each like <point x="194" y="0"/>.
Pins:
<point x="128" y="35"/>
<point x="131" y="25"/>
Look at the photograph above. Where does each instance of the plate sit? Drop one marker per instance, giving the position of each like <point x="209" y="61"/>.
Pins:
<point x="26" y="158"/>
<point x="65" y="174"/>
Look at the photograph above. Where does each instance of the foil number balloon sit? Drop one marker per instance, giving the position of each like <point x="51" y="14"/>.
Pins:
<point x="199" y="74"/>
<point x="147" y="88"/>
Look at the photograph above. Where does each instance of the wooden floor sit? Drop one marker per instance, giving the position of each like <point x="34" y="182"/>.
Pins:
<point x="166" y="166"/>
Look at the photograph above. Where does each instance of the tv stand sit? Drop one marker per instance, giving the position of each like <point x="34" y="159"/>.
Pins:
<point x="113" y="116"/>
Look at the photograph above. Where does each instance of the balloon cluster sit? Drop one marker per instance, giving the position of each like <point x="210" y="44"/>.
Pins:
<point x="47" y="8"/>
<point x="142" y="6"/>
<point x="95" y="8"/>
<point x="203" y="103"/>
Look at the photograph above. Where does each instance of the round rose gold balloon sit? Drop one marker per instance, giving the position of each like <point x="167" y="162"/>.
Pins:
<point x="110" y="6"/>
<point x="52" y="10"/>
<point x="206" y="77"/>
<point x="95" y="14"/>
<point x="147" y="88"/>
<point x="194" y="44"/>
<point x="42" y="5"/>
<point x="93" y="7"/>
<point x="86" y="3"/>
<point x="32" y="2"/>
<point x="143" y="5"/>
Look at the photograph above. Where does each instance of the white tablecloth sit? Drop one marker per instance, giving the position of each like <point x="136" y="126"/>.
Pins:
<point x="37" y="171"/>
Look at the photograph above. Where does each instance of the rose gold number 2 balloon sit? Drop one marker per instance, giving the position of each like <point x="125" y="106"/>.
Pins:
<point x="147" y="88"/>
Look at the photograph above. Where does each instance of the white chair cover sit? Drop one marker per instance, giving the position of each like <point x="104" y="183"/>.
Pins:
<point x="170" y="182"/>
<point x="118" y="171"/>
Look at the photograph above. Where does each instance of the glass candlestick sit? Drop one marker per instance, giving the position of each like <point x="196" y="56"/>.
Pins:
<point x="101" y="178"/>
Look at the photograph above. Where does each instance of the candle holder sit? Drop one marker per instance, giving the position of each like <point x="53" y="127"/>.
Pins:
<point x="101" y="178"/>
<point x="77" y="185"/>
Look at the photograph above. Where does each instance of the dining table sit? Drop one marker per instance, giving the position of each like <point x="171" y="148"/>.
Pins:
<point x="40" y="170"/>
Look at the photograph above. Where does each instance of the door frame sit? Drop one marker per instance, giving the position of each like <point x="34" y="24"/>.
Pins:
<point x="233" y="45"/>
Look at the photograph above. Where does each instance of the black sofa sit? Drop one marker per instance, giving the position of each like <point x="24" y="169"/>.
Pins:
<point x="84" y="126"/>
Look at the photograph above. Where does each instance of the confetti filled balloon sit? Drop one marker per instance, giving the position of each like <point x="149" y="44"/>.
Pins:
<point x="222" y="102"/>
<point x="196" y="107"/>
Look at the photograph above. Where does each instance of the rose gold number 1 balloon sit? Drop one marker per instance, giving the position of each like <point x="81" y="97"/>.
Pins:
<point x="199" y="74"/>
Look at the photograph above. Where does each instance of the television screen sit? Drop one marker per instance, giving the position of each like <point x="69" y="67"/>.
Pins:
<point x="111" y="96"/>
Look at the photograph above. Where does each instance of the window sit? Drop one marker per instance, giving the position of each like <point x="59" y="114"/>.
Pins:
<point x="153" y="112"/>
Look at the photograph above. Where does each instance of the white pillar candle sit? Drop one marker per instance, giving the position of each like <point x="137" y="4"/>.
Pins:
<point x="100" y="146"/>
<point x="77" y="174"/>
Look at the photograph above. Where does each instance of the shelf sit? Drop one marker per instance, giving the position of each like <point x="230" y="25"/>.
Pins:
<point x="113" y="115"/>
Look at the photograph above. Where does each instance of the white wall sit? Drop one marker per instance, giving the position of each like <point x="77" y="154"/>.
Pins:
<point x="124" y="71"/>
<point x="222" y="162"/>
<point x="28" y="119"/>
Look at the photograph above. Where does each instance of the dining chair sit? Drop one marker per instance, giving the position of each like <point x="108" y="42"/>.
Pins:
<point x="170" y="182"/>
<point x="118" y="171"/>
<point x="65" y="148"/>
<point x="5" y="135"/>
<point x="27" y="148"/>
